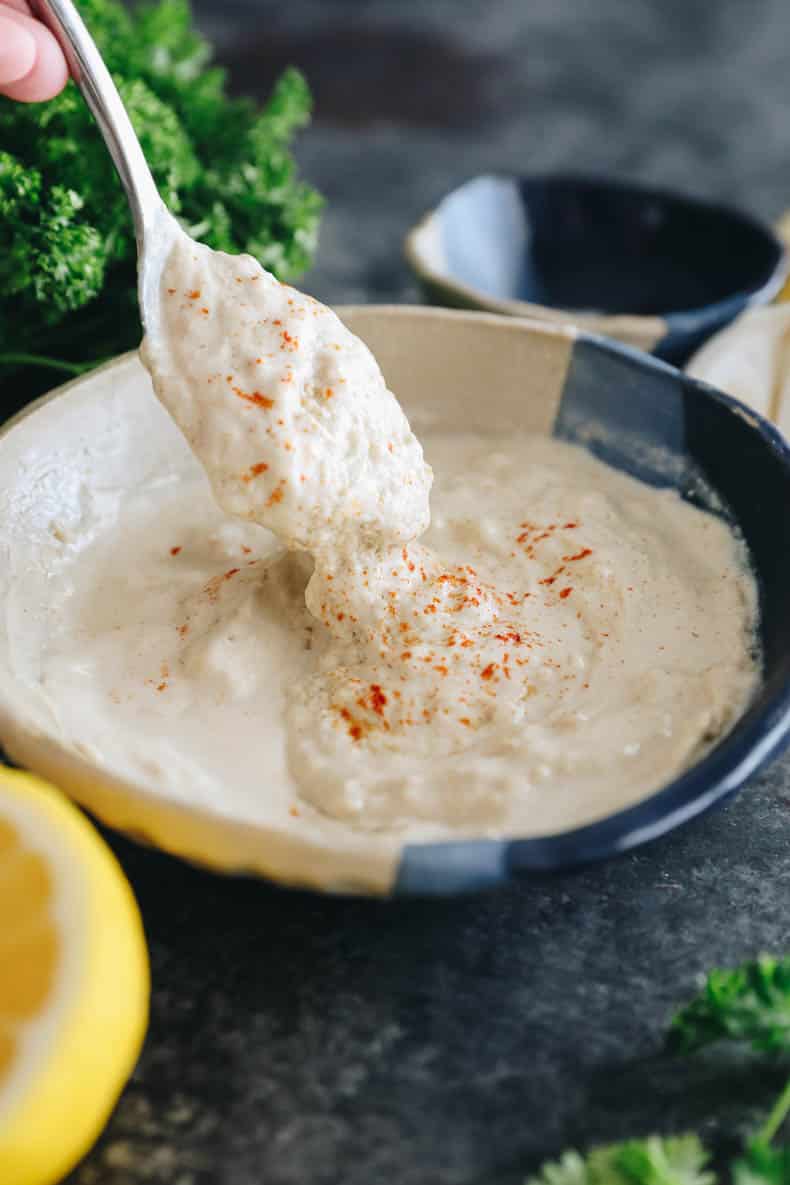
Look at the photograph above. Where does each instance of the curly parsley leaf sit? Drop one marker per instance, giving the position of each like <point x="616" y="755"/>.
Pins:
<point x="67" y="250"/>
<point x="676" y="1160"/>
<point x="750" y="1004"/>
<point x="570" y="1169"/>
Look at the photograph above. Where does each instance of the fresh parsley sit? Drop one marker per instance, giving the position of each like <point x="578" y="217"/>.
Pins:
<point x="750" y="1005"/>
<point x="67" y="252"/>
<point x="678" y="1160"/>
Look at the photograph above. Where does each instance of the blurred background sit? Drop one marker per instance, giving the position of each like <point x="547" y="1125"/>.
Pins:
<point x="412" y="96"/>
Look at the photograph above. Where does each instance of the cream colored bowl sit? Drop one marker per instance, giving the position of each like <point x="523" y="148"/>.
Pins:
<point x="475" y="371"/>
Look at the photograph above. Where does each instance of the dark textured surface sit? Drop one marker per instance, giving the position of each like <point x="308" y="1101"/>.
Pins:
<point x="312" y="1041"/>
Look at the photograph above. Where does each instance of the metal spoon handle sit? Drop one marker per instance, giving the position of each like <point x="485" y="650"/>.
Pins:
<point x="93" y="78"/>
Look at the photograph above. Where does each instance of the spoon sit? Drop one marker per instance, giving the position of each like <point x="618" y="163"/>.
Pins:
<point x="155" y="227"/>
<point x="332" y="467"/>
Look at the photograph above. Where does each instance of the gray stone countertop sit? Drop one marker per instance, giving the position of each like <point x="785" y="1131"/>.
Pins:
<point x="298" y="1040"/>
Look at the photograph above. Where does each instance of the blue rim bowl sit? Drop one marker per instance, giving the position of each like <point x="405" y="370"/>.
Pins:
<point x="634" y="412"/>
<point x="645" y="418"/>
<point x="649" y="267"/>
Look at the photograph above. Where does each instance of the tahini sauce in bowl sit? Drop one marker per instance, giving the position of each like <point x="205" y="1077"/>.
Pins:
<point x="263" y="627"/>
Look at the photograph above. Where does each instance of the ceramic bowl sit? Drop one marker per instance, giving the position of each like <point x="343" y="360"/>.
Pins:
<point x="650" y="268"/>
<point x="106" y="431"/>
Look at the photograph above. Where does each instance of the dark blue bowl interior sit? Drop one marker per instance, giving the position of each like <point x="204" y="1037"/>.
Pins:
<point x="651" y="421"/>
<point x="588" y="245"/>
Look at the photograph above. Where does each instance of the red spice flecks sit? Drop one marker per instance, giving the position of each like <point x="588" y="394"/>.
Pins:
<point x="328" y="392"/>
<point x="184" y="629"/>
<point x="230" y="573"/>
<point x="256" y="398"/>
<point x="174" y="550"/>
<point x="570" y="526"/>
<point x="246" y="550"/>
<point x="294" y="811"/>
<point x="194" y="295"/>
<point x="254" y="471"/>
<point x="276" y="495"/>
<point x="528" y="529"/>
<point x="580" y="555"/>
<point x="377" y="699"/>
<point x="355" y="727"/>
<point x="171" y="291"/>
<point x="488" y="672"/>
<point x="565" y="592"/>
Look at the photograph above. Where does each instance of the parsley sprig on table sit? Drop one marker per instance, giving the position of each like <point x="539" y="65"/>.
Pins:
<point x="677" y="1160"/>
<point x="750" y="1004"/>
<point x="67" y="253"/>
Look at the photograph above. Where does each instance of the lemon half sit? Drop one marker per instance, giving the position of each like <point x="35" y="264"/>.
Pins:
<point x="74" y="982"/>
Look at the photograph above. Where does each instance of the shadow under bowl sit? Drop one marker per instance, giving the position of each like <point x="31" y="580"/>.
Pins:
<point x="651" y="268"/>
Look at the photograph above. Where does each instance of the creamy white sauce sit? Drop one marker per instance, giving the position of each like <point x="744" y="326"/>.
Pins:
<point x="559" y="643"/>
<point x="286" y="410"/>
<point x="183" y="654"/>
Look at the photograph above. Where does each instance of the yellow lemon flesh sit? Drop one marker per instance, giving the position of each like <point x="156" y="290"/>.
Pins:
<point x="74" y="983"/>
